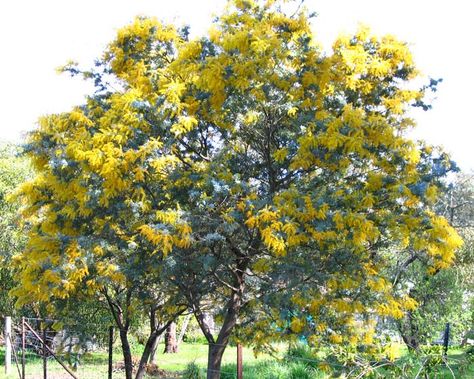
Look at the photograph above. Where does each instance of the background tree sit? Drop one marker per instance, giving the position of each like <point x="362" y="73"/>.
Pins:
<point x="13" y="171"/>
<point x="446" y="295"/>
<point x="171" y="342"/>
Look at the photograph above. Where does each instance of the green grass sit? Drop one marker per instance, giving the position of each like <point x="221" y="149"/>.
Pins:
<point x="94" y="365"/>
<point x="197" y="353"/>
<point x="272" y="369"/>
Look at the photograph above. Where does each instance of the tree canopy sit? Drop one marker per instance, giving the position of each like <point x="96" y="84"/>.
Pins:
<point x="14" y="170"/>
<point x="248" y="168"/>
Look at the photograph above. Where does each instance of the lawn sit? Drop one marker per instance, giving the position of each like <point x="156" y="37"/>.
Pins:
<point x="94" y="365"/>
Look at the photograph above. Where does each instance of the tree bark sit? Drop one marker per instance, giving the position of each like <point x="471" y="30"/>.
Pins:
<point x="214" y="361"/>
<point x="233" y="307"/>
<point x="150" y="344"/>
<point x="411" y="342"/>
<point x="409" y="332"/>
<point x="152" y="359"/>
<point x="216" y="350"/>
<point x="127" y="354"/>
<point x="153" y="327"/>
<point x="171" y="345"/>
<point x="123" y="323"/>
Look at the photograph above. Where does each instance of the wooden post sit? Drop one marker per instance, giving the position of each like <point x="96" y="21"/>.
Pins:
<point x="45" y="356"/>
<point x="23" y="348"/>
<point x="8" y="345"/>
<point x="111" y="342"/>
<point x="239" y="361"/>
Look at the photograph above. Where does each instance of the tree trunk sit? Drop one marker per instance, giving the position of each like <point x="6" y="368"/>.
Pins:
<point x="184" y="327"/>
<point x="127" y="354"/>
<point x="152" y="359"/>
<point x="409" y="332"/>
<point x="149" y="346"/>
<point x="171" y="345"/>
<point x="214" y="361"/>
<point x="216" y="350"/>
<point x="153" y="327"/>
<point x="411" y="342"/>
<point x="233" y="307"/>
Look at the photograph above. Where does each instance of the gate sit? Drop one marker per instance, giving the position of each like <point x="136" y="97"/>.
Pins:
<point x="30" y="337"/>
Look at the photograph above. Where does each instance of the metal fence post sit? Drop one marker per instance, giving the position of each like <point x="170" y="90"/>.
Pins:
<point x="45" y="355"/>
<point x="23" y="347"/>
<point x="8" y="345"/>
<point x="111" y="342"/>
<point x="446" y="339"/>
<point x="239" y="361"/>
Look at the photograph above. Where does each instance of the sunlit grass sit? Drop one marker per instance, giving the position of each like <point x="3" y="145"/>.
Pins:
<point x="94" y="365"/>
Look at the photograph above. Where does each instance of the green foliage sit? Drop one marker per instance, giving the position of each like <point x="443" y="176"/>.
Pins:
<point x="470" y="354"/>
<point x="13" y="171"/>
<point x="431" y="358"/>
<point x="275" y="370"/>
<point x="444" y="295"/>
<point x="193" y="371"/>
<point x="83" y="317"/>
<point x="302" y="371"/>
<point x="441" y="299"/>
<point x="94" y="365"/>
<point x="292" y="370"/>
<point x="302" y="352"/>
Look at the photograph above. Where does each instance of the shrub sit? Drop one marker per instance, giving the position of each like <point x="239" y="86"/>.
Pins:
<point x="302" y="371"/>
<point x="277" y="370"/>
<point x="193" y="371"/>
<point x="301" y="353"/>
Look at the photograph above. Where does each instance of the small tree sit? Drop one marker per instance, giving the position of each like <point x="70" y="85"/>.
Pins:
<point x="86" y="233"/>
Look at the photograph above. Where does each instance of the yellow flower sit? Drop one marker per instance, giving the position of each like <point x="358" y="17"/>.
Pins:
<point x="297" y="325"/>
<point x="292" y="111"/>
<point x="335" y="338"/>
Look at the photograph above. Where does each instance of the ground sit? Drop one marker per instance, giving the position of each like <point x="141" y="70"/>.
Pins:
<point x="94" y="366"/>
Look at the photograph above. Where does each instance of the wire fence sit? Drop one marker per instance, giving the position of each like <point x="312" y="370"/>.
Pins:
<point x="39" y="351"/>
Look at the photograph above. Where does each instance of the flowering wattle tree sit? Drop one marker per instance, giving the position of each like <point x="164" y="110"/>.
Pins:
<point x="250" y="167"/>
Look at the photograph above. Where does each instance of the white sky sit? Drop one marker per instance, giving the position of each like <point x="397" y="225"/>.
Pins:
<point x="38" y="36"/>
